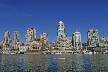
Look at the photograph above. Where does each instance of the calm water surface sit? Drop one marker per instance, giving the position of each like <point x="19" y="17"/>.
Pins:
<point x="54" y="63"/>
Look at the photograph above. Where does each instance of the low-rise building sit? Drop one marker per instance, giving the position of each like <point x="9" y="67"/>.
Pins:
<point x="36" y="44"/>
<point x="68" y="43"/>
<point x="52" y="45"/>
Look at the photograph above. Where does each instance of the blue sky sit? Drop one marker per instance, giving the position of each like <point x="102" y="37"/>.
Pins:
<point x="44" y="15"/>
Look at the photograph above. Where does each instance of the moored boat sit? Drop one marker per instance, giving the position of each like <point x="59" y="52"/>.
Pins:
<point x="58" y="53"/>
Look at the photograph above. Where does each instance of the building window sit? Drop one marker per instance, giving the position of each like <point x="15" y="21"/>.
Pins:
<point x="93" y="31"/>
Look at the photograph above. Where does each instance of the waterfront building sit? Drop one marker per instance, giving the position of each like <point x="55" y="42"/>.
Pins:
<point x="16" y="39"/>
<point x="6" y="37"/>
<point x="76" y="40"/>
<point x="68" y="44"/>
<point x="30" y="35"/>
<point x="93" y="38"/>
<point x="61" y="36"/>
<point x="23" y="49"/>
<point x="61" y="30"/>
<point x="44" y="37"/>
<point x="36" y="44"/>
<point x="103" y="43"/>
<point x="52" y="45"/>
<point x="7" y="41"/>
<point x="63" y="42"/>
<point x="84" y="45"/>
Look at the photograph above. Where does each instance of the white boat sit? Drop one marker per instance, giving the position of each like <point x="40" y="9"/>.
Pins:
<point x="58" y="53"/>
<point x="88" y="53"/>
<point x="6" y="53"/>
<point x="84" y="51"/>
<point x="12" y="53"/>
<point x="106" y="52"/>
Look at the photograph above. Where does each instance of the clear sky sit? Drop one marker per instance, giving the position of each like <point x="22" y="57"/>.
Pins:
<point x="44" y="15"/>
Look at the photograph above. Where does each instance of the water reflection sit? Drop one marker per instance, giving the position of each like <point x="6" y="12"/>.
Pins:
<point x="86" y="63"/>
<point x="54" y="63"/>
<point x="104" y="63"/>
<point x="8" y="63"/>
<point x="20" y="63"/>
<point x="95" y="62"/>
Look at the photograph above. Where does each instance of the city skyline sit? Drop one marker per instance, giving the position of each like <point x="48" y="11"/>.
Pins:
<point x="29" y="32"/>
<point x="44" y="16"/>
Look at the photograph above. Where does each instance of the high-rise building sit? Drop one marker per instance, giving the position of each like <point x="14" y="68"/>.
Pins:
<point x="61" y="36"/>
<point x="61" y="30"/>
<point x="63" y="42"/>
<point x="16" y="39"/>
<point x="93" y="38"/>
<point x="76" y="39"/>
<point x="44" y="37"/>
<point x="7" y="41"/>
<point x="30" y="35"/>
<point x="6" y="37"/>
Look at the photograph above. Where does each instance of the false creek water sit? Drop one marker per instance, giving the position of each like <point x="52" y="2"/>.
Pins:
<point x="54" y="63"/>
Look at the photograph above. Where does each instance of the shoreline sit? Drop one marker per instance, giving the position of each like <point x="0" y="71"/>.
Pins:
<point x="58" y="53"/>
<point x="53" y="52"/>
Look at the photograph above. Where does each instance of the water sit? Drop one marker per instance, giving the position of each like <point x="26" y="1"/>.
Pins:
<point x="54" y="63"/>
